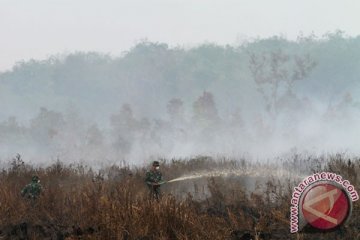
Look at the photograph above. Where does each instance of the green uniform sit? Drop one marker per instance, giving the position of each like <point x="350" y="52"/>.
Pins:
<point x="151" y="178"/>
<point x="32" y="190"/>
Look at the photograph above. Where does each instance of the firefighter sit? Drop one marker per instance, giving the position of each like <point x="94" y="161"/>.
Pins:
<point x="33" y="189"/>
<point x="154" y="180"/>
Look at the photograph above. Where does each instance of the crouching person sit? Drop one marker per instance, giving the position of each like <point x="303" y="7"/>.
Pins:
<point x="32" y="190"/>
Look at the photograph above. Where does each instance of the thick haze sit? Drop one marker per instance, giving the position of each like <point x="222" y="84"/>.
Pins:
<point x="234" y="78"/>
<point x="40" y="28"/>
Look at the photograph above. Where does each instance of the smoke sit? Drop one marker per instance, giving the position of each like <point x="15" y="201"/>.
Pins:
<point x="255" y="138"/>
<point x="255" y="101"/>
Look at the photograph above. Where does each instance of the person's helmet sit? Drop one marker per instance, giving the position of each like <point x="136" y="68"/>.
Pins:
<point x="35" y="179"/>
<point x="156" y="164"/>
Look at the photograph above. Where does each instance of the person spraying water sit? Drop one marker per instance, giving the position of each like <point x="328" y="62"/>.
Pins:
<point x="154" y="177"/>
<point x="154" y="180"/>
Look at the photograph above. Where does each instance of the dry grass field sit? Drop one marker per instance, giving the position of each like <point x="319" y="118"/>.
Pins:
<point x="113" y="203"/>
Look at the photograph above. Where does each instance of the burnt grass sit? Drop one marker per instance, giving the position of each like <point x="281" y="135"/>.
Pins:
<point x="78" y="202"/>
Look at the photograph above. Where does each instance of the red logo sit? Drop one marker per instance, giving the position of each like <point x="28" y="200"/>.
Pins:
<point x="325" y="206"/>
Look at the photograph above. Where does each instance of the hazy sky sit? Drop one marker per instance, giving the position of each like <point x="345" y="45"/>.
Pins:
<point x="39" y="28"/>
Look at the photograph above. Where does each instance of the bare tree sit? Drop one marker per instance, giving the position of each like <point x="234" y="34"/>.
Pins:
<point x="124" y="128"/>
<point x="175" y="109"/>
<point x="277" y="71"/>
<point x="205" y="110"/>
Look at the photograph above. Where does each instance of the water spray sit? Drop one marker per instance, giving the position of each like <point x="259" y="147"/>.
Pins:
<point x="279" y="173"/>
